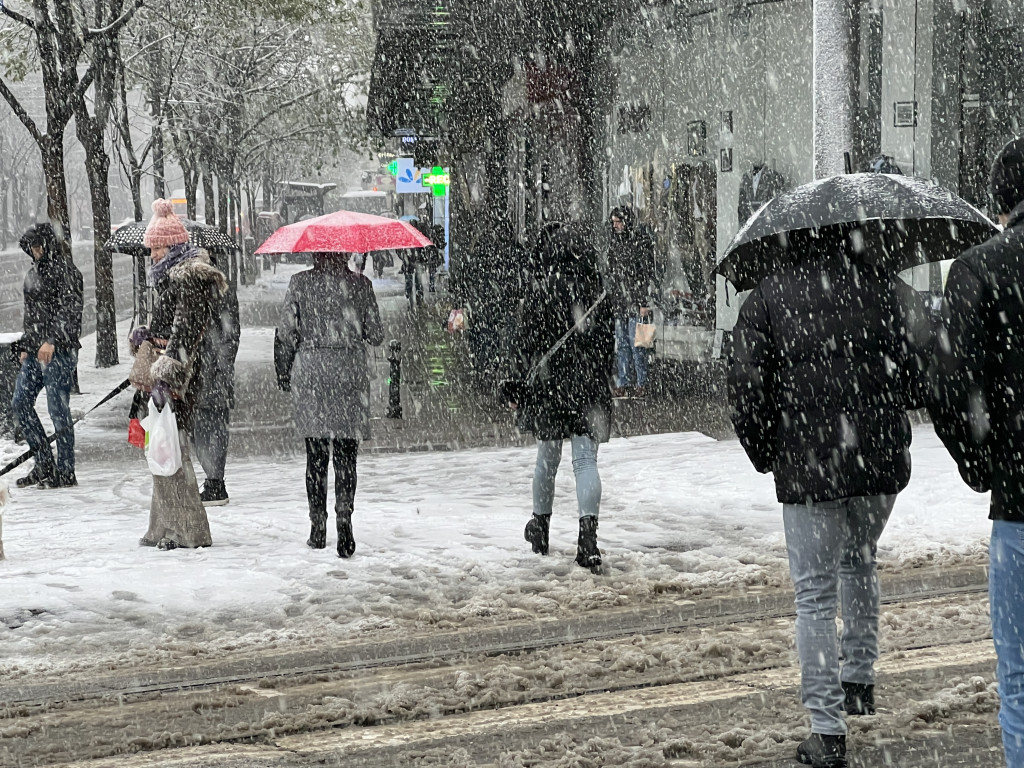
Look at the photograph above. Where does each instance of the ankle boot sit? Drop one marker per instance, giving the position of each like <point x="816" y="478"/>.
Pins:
<point x="346" y="539"/>
<point x="587" y="553"/>
<point x="822" y="751"/>
<point x="860" y="698"/>
<point x="537" y="533"/>
<point x="317" y="533"/>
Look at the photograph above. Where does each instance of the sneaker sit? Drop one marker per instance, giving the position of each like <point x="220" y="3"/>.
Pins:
<point x="214" y="494"/>
<point x="860" y="699"/>
<point x="640" y="393"/>
<point x="619" y="392"/>
<point x="35" y="477"/>
<point x="822" y="751"/>
<point x="57" y="480"/>
<point x="144" y="542"/>
<point x="537" y="533"/>
<point x="166" y="545"/>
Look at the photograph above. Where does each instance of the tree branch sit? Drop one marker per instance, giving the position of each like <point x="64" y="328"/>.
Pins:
<point x="16" y="16"/>
<point x="115" y="26"/>
<point x="83" y="85"/>
<point x="22" y="115"/>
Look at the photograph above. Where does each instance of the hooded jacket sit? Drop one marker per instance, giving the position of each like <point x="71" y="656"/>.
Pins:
<point x="631" y="268"/>
<point x="978" y="410"/>
<point x="53" y="296"/>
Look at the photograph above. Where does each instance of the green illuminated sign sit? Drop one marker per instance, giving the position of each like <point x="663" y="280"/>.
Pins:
<point x="393" y="167"/>
<point x="438" y="179"/>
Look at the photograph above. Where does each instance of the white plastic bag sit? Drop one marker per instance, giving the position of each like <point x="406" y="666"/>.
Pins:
<point x="163" y="451"/>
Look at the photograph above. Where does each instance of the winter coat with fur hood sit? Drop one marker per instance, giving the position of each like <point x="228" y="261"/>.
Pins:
<point x="187" y="297"/>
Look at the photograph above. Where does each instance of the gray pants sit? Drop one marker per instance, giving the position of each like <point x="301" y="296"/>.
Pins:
<point x="829" y="543"/>
<point x="211" y="439"/>
<point x="584" y="466"/>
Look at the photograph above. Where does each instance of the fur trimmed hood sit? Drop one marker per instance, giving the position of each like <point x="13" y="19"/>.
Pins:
<point x="201" y="270"/>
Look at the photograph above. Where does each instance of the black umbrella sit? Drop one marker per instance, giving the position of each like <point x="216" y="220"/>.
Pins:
<point x="894" y="221"/>
<point x="128" y="239"/>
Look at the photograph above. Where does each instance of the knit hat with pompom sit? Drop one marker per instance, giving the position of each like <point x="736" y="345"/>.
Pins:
<point x="165" y="228"/>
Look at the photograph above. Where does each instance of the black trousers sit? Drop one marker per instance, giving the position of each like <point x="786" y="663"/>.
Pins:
<point x="318" y="457"/>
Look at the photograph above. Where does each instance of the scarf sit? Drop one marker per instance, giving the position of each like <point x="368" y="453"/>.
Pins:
<point x="175" y="256"/>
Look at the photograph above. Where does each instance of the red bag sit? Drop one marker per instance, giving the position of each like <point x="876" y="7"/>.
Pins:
<point x="136" y="434"/>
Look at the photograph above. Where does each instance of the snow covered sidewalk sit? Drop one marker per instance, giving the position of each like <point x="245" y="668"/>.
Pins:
<point x="439" y="545"/>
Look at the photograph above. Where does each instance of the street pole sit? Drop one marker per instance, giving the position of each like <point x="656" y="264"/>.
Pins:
<point x="835" y="83"/>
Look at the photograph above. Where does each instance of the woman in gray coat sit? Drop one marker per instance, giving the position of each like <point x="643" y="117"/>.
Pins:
<point x="329" y="315"/>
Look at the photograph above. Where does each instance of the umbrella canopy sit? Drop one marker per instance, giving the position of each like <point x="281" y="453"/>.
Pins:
<point x="344" y="232"/>
<point x="128" y="239"/>
<point x="894" y="221"/>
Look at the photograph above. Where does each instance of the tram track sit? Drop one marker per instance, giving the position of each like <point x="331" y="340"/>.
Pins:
<point x="368" y="690"/>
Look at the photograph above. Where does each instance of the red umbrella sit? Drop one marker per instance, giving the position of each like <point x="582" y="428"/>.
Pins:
<point x="344" y="232"/>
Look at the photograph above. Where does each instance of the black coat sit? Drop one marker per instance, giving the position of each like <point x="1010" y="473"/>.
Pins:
<point x="53" y="296"/>
<point x="826" y="361"/>
<point x="220" y="348"/>
<point x="631" y="268"/>
<point x="978" y="410"/>
<point x="571" y="392"/>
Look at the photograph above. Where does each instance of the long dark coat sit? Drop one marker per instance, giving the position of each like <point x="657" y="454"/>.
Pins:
<point x="329" y="316"/>
<point x="571" y="393"/>
<point x="186" y="299"/>
<point x="631" y="267"/>
<point x="220" y="348"/>
<point x="979" y="405"/>
<point x="827" y="359"/>
<point x="53" y="297"/>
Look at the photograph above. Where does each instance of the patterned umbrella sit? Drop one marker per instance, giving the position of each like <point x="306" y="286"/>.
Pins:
<point x="128" y="239"/>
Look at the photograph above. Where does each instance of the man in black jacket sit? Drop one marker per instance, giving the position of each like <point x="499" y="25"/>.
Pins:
<point x="49" y="356"/>
<point x="829" y="354"/>
<point x="979" y="414"/>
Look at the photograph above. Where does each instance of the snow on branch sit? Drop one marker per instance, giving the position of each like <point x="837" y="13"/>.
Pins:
<point x="16" y="16"/>
<point x="18" y="110"/>
<point x="115" y="26"/>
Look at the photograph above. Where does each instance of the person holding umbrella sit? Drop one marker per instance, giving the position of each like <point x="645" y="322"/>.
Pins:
<point x="330" y="313"/>
<point x="978" y="412"/>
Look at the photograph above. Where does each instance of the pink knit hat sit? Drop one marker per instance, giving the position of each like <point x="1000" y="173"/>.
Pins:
<point x="165" y="228"/>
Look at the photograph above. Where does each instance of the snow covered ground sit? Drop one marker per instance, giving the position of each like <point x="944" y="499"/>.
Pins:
<point x="439" y="543"/>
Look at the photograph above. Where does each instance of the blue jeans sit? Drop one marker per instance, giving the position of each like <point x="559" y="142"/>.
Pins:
<point x="1006" y="602"/>
<point x="584" y="467"/>
<point x="629" y="356"/>
<point x="832" y="543"/>
<point x="56" y="379"/>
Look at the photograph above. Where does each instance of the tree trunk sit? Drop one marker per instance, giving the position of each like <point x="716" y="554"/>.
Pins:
<point x="97" y="167"/>
<point x="222" y="204"/>
<point x="191" y="192"/>
<point x="56" y="191"/>
<point x="209" y="199"/>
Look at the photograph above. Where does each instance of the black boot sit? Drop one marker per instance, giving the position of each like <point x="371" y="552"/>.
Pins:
<point x="537" y="533"/>
<point x="317" y="532"/>
<point x="860" y="699"/>
<point x="587" y="553"/>
<point x="823" y="751"/>
<point x="346" y="539"/>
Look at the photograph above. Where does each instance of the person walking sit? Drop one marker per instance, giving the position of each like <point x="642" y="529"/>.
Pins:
<point x="217" y="398"/>
<point x="412" y="268"/>
<point x="188" y="294"/>
<point x="978" y="412"/>
<point x="48" y="351"/>
<point x="829" y="354"/>
<point x="329" y="315"/>
<point x="565" y="337"/>
<point x="631" y="285"/>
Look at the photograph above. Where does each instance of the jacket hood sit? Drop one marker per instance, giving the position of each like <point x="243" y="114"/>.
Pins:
<point x="200" y="268"/>
<point x="40" y="234"/>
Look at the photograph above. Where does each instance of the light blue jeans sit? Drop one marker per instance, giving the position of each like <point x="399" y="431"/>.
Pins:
<point x="584" y="467"/>
<point x="1006" y="602"/>
<point x="833" y="543"/>
<point x="630" y="357"/>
